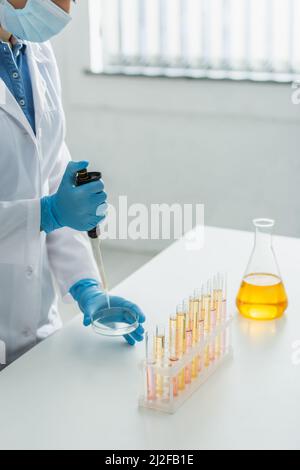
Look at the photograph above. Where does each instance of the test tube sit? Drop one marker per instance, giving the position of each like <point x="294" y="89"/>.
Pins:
<point x="225" y="335"/>
<point x="159" y="357"/>
<point x="225" y="316"/>
<point x="195" y="328"/>
<point x="218" y="296"/>
<point x="201" y="329"/>
<point x="213" y="319"/>
<point x="206" y="307"/>
<point x="219" y="306"/>
<point x="168" y="387"/>
<point x="150" y="363"/>
<point x="180" y="343"/>
<point x="206" y="302"/>
<point x="173" y="350"/>
<point x="188" y="310"/>
<point x="224" y="289"/>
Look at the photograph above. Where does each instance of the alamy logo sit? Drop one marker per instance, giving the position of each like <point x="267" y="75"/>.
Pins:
<point x="157" y="222"/>
<point x="2" y="353"/>
<point x="2" y="93"/>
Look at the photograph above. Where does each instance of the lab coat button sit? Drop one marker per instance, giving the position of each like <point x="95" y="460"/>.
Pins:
<point x="29" y="271"/>
<point x="26" y="332"/>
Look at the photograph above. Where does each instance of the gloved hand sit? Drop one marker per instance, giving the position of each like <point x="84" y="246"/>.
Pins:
<point x="81" y="208"/>
<point x="90" y="299"/>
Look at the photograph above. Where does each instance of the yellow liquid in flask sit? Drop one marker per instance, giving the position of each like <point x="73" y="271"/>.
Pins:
<point x="262" y="297"/>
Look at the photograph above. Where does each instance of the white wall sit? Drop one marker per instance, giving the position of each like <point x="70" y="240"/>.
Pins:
<point x="233" y="146"/>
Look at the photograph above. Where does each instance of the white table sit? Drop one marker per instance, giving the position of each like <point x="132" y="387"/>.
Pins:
<point x="78" y="390"/>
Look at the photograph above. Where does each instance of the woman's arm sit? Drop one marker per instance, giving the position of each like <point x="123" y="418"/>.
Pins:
<point x="70" y="253"/>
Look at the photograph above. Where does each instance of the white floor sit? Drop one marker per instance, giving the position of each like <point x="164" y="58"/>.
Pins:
<point x="119" y="265"/>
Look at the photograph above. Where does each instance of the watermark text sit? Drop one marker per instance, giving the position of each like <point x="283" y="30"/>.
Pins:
<point x="157" y="222"/>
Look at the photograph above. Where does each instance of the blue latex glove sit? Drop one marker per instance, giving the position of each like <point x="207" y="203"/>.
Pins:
<point x="90" y="299"/>
<point x="81" y="208"/>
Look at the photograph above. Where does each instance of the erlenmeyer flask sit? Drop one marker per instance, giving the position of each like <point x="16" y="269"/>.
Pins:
<point x="262" y="294"/>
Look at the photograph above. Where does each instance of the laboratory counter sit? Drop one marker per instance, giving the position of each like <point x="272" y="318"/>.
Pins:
<point x="77" y="390"/>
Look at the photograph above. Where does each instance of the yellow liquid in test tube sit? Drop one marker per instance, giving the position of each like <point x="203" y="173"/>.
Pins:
<point x="206" y="306"/>
<point x="195" y="333"/>
<point x="159" y="354"/>
<point x="150" y="360"/>
<point x="188" y="369"/>
<point x="201" y="329"/>
<point x="212" y="324"/>
<point x="224" y="317"/>
<point x="151" y="384"/>
<point x="172" y="349"/>
<point x="219" y="307"/>
<point x="180" y="346"/>
<point x="188" y="339"/>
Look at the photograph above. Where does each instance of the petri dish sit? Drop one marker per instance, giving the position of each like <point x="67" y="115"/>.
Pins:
<point x="115" y="321"/>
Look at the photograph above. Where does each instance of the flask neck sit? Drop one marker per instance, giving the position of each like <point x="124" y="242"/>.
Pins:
<point x="263" y="238"/>
<point x="263" y="259"/>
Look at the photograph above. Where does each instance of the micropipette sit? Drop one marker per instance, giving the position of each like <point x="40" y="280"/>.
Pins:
<point x="85" y="177"/>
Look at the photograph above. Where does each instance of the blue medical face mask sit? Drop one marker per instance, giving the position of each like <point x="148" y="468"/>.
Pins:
<point x="38" y="21"/>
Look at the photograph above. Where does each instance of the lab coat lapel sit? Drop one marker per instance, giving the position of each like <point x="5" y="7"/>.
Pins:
<point x="35" y="56"/>
<point x="9" y="104"/>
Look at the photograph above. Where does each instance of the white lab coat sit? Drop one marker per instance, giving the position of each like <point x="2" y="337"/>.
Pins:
<point x="31" y="167"/>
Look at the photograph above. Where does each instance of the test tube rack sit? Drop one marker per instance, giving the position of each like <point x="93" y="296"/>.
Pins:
<point x="167" y="384"/>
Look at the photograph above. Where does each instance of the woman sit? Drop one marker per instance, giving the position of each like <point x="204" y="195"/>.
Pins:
<point x="43" y="216"/>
